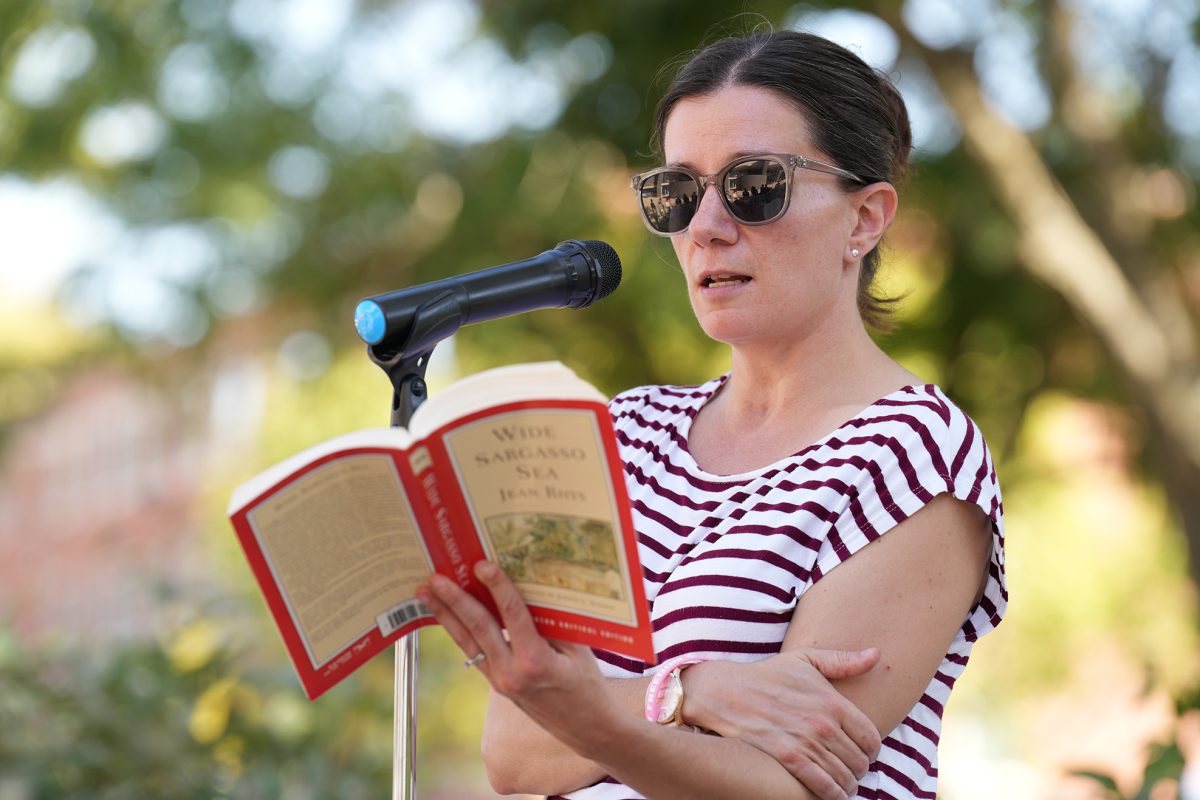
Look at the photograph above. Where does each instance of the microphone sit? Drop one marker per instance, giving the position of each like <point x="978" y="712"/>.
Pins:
<point x="574" y="274"/>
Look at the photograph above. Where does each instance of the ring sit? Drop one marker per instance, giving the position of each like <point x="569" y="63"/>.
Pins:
<point x="470" y="662"/>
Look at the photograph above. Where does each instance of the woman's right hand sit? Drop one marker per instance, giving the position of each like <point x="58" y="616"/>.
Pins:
<point x="785" y="706"/>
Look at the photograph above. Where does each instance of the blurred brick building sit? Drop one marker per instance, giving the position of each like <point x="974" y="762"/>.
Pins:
<point x="97" y="497"/>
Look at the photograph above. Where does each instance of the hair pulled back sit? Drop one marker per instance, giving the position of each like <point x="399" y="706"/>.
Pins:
<point x="855" y="114"/>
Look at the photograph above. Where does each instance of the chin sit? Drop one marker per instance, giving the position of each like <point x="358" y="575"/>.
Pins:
<point x="730" y="331"/>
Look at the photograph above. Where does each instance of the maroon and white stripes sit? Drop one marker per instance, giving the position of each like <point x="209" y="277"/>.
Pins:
<point x="725" y="558"/>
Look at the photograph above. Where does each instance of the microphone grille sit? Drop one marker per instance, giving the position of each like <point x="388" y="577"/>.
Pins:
<point x="608" y="266"/>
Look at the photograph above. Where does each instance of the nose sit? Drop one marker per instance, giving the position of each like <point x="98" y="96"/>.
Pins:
<point x="712" y="223"/>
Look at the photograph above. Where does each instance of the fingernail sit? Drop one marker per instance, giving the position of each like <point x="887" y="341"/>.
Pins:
<point x="870" y="651"/>
<point x="439" y="582"/>
<point x="423" y="594"/>
<point x="485" y="570"/>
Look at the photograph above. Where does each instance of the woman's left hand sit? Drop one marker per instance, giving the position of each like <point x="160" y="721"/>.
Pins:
<point x="557" y="684"/>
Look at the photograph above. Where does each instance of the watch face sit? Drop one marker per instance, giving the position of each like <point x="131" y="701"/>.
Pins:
<point x="672" y="696"/>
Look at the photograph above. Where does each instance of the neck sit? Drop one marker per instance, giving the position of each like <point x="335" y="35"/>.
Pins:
<point x="837" y="364"/>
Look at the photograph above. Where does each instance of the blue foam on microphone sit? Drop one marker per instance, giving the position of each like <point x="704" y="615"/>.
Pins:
<point x="369" y="322"/>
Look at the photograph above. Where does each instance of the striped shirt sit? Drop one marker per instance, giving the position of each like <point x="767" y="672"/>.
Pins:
<point x="726" y="557"/>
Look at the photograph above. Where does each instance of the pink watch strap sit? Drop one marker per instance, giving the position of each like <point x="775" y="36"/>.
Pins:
<point x="654" y="692"/>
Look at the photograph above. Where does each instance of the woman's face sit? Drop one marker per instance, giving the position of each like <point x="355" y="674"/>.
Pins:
<point x="770" y="283"/>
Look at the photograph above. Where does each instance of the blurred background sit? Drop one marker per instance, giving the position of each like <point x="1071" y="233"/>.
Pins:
<point x="194" y="194"/>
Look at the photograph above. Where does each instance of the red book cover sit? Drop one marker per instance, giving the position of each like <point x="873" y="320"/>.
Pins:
<point x="340" y="536"/>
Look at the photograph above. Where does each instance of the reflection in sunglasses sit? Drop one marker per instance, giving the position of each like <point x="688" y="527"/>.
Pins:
<point x="755" y="190"/>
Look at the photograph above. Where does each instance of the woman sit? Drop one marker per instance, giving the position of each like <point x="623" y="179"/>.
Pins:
<point x="821" y="532"/>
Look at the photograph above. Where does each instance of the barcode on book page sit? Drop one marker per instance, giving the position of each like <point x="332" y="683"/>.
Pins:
<point x="397" y="616"/>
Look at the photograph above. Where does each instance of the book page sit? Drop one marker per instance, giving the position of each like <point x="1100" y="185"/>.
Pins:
<point x="342" y="544"/>
<point x="396" y="438"/>
<point x="538" y="488"/>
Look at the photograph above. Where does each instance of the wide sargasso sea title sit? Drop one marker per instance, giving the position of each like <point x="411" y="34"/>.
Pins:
<point x="535" y="456"/>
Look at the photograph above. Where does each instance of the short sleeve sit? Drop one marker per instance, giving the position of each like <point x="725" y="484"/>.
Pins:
<point x="911" y="448"/>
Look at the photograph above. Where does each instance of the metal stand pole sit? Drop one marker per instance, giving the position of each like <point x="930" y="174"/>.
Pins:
<point x="404" y="721"/>
<point x="408" y="380"/>
<point x="405" y="364"/>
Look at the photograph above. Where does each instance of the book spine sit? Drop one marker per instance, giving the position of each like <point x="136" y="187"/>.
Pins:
<point x="443" y="523"/>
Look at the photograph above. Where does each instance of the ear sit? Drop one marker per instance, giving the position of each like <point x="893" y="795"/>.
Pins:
<point x="876" y="207"/>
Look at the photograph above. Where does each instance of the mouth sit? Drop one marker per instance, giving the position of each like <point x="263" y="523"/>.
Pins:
<point x="722" y="280"/>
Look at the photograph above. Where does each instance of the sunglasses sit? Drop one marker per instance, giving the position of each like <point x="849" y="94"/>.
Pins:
<point x="755" y="190"/>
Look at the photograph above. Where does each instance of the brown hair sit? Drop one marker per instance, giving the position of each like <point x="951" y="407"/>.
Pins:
<point x="855" y="115"/>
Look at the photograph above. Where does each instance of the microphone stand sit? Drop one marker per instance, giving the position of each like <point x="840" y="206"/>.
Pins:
<point x="405" y="365"/>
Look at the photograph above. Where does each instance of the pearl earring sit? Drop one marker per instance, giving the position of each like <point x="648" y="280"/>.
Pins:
<point x="854" y="253"/>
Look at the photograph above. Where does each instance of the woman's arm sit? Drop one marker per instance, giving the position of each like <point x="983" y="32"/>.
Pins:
<point x="673" y="764"/>
<point x="559" y="686"/>
<point x="521" y="756"/>
<point x="907" y="593"/>
<point x="840" y="740"/>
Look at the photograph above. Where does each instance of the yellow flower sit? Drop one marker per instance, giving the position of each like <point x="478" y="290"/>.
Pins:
<point x="210" y="716"/>
<point x="194" y="646"/>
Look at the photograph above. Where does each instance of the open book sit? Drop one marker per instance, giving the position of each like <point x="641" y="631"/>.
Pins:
<point x="517" y="464"/>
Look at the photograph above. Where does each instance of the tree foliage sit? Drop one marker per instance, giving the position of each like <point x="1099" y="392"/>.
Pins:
<point x="263" y="188"/>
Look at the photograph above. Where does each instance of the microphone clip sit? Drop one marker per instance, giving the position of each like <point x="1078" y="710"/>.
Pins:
<point x="405" y="361"/>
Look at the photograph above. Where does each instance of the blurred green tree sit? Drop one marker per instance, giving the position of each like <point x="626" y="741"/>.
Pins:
<point x="1094" y="202"/>
<point x="267" y="172"/>
<point x="299" y="174"/>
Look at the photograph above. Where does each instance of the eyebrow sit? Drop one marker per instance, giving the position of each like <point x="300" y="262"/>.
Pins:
<point x="734" y="157"/>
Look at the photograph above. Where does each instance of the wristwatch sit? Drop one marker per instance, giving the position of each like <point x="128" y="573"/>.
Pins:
<point x="670" y="710"/>
<point x="664" y="695"/>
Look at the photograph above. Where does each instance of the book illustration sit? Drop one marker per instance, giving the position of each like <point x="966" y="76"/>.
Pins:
<point x="558" y="550"/>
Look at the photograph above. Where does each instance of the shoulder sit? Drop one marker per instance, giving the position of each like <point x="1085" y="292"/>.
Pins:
<point x="924" y="435"/>
<point x="654" y="402"/>
<point x="679" y="395"/>
<point x="905" y="451"/>
<point x="898" y="455"/>
<point x="923" y="411"/>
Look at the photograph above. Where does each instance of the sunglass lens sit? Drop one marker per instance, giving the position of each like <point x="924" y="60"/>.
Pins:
<point x="669" y="200"/>
<point x="756" y="189"/>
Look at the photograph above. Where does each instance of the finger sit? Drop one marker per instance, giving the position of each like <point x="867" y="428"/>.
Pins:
<point x="825" y="735"/>
<point x="817" y="780"/>
<point x="843" y="748"/>
<point x="450" y="621"/>
<point x="862" y="731"/>
<point x="838" y="664"/>
<point x="513" y="611"/>
<point x="476" y="619"/>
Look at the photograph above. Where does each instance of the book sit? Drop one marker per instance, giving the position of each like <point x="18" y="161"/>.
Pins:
<point x="516" y="464"/>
